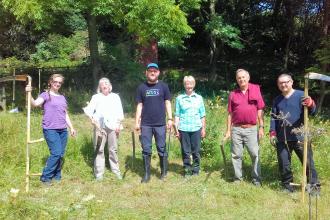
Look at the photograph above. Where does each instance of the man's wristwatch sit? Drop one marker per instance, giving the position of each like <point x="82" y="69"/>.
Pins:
<point x="261" y="126"/>
<point x="169" y="119"/>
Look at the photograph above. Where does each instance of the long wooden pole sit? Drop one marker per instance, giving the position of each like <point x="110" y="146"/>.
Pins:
<point x="303" y="184"/>
<point x="14" y="88"/>
<point x="28" y="138"/>
<point x="39" y="73"/>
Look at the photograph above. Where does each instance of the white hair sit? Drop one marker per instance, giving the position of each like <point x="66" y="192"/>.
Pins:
<point x="189" y="79"/>
<point x="242" y="70"/>
<point x="105" y="81"/>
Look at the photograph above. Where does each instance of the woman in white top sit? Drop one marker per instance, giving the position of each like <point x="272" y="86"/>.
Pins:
<point x="106" y="113"/>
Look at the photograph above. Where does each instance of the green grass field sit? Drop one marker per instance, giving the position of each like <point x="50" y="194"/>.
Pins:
<point x="211" y="195"/>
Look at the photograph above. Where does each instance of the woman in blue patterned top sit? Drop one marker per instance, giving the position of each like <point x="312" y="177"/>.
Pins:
<point x="190" y="122"/>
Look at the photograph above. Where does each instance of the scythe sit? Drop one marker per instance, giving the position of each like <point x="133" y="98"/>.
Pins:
<point x="312" y="76"/>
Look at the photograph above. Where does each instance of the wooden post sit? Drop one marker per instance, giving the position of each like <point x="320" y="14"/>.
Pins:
<point x="3" y="99"/>
<point x="28" y="128"/>
<point x="39" y="72"/>
<point x="303" y="183"/>
<point x="14" y="88"/>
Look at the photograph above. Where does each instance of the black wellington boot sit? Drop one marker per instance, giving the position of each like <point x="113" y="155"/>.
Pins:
<point x="146" y="163"/>
<point x="163" y="167"/>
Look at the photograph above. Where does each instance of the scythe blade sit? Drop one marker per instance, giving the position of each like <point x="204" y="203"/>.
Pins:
<point x="317" y="76"/>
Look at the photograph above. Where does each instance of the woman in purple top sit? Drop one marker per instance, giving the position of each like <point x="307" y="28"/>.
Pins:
<point x="55" y="121"/>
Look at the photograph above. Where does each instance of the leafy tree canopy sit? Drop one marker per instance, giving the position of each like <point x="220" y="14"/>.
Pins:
<point x="225" y="32"/>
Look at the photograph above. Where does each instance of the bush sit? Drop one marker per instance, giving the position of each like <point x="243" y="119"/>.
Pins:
<point x="215" y="126"/>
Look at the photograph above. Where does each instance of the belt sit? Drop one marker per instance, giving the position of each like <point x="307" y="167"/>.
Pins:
<point x="243" y="125"/>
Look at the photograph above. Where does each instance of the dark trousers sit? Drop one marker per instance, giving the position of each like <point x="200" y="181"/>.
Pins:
<point x="160" y="138"/>
<point x="191" y="145"/>
<point x="284" y="161"/>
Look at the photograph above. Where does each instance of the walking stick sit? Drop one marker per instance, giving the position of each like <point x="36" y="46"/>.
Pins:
<point x="28" y="138"/>
<point x="222" y="150"/>
<point x="169" y="144"/>
<point x="133" y="153"/>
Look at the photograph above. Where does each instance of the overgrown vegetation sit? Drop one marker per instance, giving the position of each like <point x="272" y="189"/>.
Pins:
<point x="208" y="196"/>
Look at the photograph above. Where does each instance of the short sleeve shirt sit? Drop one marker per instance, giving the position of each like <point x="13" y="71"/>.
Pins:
<point x="54" y="111"/>
<point x="190" y="110"/>
<point x="244" y="110"/>
<point x="152" y="97"/>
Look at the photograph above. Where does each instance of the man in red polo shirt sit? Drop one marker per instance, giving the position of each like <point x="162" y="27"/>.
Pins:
<point x="245" y="109"/>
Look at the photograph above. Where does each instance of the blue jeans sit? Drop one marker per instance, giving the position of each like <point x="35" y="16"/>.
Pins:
<point x="160" y="137"/>
<point x="56" y="140"/>
<point x="191" y="145"/>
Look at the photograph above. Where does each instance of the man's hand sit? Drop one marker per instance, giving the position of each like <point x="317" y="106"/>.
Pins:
<point x="308" y="101"/>
<point x="272" y="138"/>
<point x="227" y="136"/>
<point x="261" y="133"/>
<point x="137" y="126"/>
<point x="169" y="124"/>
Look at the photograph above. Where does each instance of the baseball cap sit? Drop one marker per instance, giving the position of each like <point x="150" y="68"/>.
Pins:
<point x="152" y="65"/>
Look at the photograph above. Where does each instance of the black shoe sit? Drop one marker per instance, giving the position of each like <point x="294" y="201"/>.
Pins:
<point x="187" y="173"/>
<point x="313" y="189"/>
<point x="287" y="188"/>
<point x="256" y="183"/>
<point x="163" y="167"/>
<point x="146" y="163"/>
<point x="195" y="173"/>
<point x="46" y="183"/>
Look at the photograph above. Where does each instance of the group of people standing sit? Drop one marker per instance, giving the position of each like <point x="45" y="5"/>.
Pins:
<point x="245" y="125"/>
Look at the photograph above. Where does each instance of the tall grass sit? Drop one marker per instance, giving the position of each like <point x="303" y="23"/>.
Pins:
<point x="208" y="196"/>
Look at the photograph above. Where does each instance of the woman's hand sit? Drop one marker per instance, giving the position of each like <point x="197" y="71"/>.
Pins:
<point x="28" y="88"/>
<point x="73" y="132"/>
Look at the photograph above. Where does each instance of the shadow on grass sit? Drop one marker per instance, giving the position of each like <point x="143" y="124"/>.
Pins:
<point x="87" y="151"/>
<point x="269" y="170"/>
<point x="89" y="154"/>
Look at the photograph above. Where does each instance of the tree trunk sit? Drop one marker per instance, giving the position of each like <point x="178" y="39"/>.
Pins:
<point x="214" y="50"/>
<point x="287" y="53"/>
<point x="93" y="48"/>
<point x="290" y="25"/>
<point x="277" y="7"/>
<point x="325" y="67"/>
<point x="148" y="53"/>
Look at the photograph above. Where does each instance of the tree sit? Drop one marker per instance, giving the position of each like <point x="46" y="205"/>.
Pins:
<point x="160" y="20"/>
<point x="323" y="55"/>
<point x="152" y="22"/>
<point x="221" y="34"/>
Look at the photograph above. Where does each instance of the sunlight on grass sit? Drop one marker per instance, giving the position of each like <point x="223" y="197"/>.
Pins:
<point x="208" y="196"/>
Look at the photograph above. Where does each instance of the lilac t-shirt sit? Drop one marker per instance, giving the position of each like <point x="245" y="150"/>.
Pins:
<point x="54" y="111"/>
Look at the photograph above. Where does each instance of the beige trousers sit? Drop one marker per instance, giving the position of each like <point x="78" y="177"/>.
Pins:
<point x="109" y="136"/>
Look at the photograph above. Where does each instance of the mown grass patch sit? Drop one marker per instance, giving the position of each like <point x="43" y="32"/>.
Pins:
<point x="209" y="196"/>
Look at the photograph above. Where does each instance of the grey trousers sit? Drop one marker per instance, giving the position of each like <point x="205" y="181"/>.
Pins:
<point x="247" y="137"/>
<point x="99" y="143"/>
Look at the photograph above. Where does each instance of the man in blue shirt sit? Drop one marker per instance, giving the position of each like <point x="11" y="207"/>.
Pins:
<point x="288" y="114"/>
<point x="153" y="100"/>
